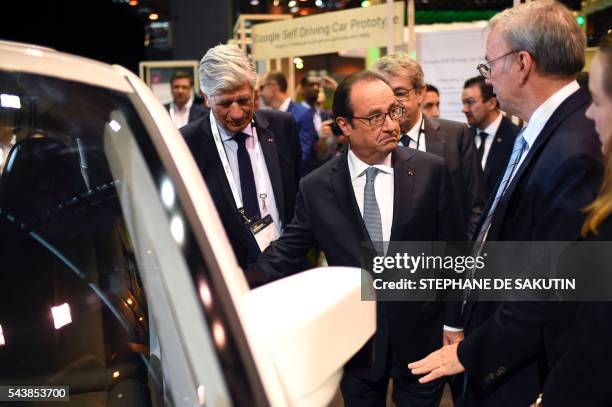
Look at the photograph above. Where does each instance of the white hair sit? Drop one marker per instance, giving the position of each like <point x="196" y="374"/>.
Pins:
<point x="225" y="67"/>
<point x="548" y="31"/>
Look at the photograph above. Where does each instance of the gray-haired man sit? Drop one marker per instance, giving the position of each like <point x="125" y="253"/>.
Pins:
<point x="249" y="159"/>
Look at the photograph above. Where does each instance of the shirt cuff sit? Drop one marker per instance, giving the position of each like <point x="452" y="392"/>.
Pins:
<point x="452" y="329"/>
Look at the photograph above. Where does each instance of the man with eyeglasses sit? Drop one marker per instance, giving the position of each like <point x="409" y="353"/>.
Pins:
<point x="450" y="140"/>
<point x="494" y="134"/>
<point x="249" y="159"/>
<point x="534" y="51"/>
<point x="374" y="192"/>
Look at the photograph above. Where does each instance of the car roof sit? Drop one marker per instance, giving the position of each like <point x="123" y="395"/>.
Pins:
<point x="35" y="59"/>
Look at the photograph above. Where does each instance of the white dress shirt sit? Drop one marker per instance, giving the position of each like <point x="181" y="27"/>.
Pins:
<point x="491" y="130"/>
<point x="180" y="117"/>
<point x="383" y="187"/>
<point x="540" y="117"/>
<point x="285" y="105"/>
<point x="417" y="138"/>
<point x="267" y="205"/>
<point x="316" y="116"/>
<point x="4" y="151"/>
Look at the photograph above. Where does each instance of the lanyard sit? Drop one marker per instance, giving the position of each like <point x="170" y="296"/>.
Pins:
<point x="421" y="132"/>
<point x="261" y="187"/>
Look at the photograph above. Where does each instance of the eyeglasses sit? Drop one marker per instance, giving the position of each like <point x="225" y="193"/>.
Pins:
<point x="378" y="119"/>
<point x="402" y="93"/>
<point x="485" y="69"/>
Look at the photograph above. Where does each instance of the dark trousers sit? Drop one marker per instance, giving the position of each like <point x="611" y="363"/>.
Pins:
<point x="368" y="388"/>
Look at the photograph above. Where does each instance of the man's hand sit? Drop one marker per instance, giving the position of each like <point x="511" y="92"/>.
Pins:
<point x="443" y="362"/>
<point x="450" y="337"/>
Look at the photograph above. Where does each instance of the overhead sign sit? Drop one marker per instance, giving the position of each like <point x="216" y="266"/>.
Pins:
<point x="325" y="33"/>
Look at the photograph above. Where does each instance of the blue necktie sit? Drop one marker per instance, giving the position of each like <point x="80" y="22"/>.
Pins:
<point x="405" y="140"/>
<point x="371" y="211"/>
<point x="247" y="180"/>
<point x="517" y="151"/>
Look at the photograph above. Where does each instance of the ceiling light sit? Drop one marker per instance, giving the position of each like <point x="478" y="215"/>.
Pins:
<point x="319" y="3"/>
<point x="153" y="16"/>
<point x="133" y="2"/>
<point x="292" y="3"/>
<point x="365" y="3"/>
<point x="254" y="2"/>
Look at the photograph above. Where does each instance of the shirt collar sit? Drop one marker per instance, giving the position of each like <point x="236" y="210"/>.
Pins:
<point x="413" y="133"/>
<point x="542" y="114"/>
<point x="285" y="105"/>
<point x="357" y="167"/>
<point x="307" y="106"/>
<point x="187" y="106"/>
<point x="226" y="135"/>
<point x="492" y="128"/>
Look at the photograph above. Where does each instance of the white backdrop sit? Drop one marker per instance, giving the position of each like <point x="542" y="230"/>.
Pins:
<point x="449" y="54"/>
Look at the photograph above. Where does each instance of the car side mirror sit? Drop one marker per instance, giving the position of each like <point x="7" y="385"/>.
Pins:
<point x="304" y="328"/>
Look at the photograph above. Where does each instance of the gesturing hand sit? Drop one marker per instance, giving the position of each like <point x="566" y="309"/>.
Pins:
<point x="443" y="362"/>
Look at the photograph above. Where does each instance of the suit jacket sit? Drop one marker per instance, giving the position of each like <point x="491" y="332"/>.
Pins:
<point x="454" y="142"/>
<point x="307" y="133"/>
<point x="327" y="215"/>
<point x="277" y="136"/>
<point x="560" y="175"/>
<point x="579" y="362"/>
<point x="195" y="112"/>
<point x="500" y="152"/>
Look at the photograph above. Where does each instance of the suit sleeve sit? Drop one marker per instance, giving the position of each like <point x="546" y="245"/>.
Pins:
<point x="517" y="325"/>
<point x="285" y="256"/>
<point x="308" y="138"/>
<point x="476" y="193"/>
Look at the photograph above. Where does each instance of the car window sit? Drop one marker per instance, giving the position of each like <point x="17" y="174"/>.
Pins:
<point x="74" y="310"/>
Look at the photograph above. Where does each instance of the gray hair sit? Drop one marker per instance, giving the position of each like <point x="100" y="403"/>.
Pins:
<point x="401" y="64"/>
<point x="225" y="67"/>
<point x="548" y="31"/>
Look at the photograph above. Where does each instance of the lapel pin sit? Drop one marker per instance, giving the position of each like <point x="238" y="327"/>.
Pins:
<point x="411" y="171"/>
<point x="499" y="139"/>
<point x="270" y="140"/>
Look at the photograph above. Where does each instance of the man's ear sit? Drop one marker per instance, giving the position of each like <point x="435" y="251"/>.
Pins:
<point x="526" y="66"/>
<point x="206" y="101"/>
<point x="344" y="126"/>
<point x="491" y="103"/>
<point x="420" y="95"/>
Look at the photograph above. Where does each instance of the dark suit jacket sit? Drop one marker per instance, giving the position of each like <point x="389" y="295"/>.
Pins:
<point x="277" y="135"/>
<point x="560" y="175"/>
<point x="195" y="112"/>
<point x="327" y="214"/>
<point x="500" y="152"/>
<point x="580" y="362"/>
<point x="307" y="132"/>
<point x="454" y="142"/>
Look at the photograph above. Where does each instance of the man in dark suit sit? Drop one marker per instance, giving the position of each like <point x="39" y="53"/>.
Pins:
<point x="374" y="192"/>
<point x="182" y="109"/>
<point x="494" y="134"/>
<point x="273" y="92"/>
<point x="450" y="140"/>
<point x="553" y="173"/>
<point x="259" y="150"/>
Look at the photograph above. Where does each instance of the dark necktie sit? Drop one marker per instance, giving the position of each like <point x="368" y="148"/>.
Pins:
<point x="480" y="150"/>
<point x="405" y="140"/>
<point x="247" y="180"/>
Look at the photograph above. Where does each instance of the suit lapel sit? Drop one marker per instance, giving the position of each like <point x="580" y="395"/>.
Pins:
<point x="270" y="153"/>
<point x="213" y="172"/>
<point x="345" y="196"/>
<point x="573" y="102"/>
<point x="403" y="185"/>
<point x="434" y="142"/>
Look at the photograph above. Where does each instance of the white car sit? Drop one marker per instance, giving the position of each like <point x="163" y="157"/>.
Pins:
<point x="116" y="276"/>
